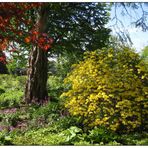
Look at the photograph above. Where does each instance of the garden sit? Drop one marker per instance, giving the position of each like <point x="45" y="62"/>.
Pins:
<point x="65" y="80"/>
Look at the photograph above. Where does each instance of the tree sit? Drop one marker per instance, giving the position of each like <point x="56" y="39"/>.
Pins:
<point x="66" y="29"/>
<point x="14" y="22"/>
<point x="89" y="18"/>
<point x="75" y="30"/>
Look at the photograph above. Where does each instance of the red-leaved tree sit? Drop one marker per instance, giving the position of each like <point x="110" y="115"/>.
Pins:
<point x="25" y="24"/>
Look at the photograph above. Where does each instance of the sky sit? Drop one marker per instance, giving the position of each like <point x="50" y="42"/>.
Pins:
<point x="138" y="37"/>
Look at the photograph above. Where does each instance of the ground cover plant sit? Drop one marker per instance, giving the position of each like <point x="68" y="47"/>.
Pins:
<point x="11" y="90"/>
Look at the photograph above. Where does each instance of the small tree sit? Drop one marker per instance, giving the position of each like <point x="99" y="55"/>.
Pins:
<point x="25" y="24"/>
<point x="108" y="88"/>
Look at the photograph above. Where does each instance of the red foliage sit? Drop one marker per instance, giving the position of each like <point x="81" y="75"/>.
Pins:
<point x="2" y="57"/>
<point x="15" y="15"/>
<point x="28" y="39"/>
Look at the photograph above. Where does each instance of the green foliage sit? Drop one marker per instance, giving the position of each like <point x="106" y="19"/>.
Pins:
<point x="65" y="61"/>
<point x="41" y="115"/>
<point x="66" y="122"/>
<point x="11" y="90"/>
<point x="5" y="139"/>
<point x="82" y="143"/>
<point x="18" y="59"/>
<point x="112" y="143"/>
<point x="61" y="131"/>
<point x="12" y="119"/>
<point x="50" y="124"/>
<point x="44" y="136"/>
<point x="9" y="82"/>
<point x="55" y="86"/>
<point x="71" y="135"/>
<point x="68" y="31"/>
<point x="50" y="114"/>
<point x="109" y="89"/>
<point x="78" y="19"/>
<point x="1" y="91"/>
<point x="11" y="99"/>
<point x="46" y="110"/>
<point x="134" y="139"/>
<point x="101" y="134"/>
<point x="117" y="43"/>
<point x="142" y="142"/>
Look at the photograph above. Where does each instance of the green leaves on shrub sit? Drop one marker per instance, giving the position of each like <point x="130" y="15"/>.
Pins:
<point x="11" y="99"/>
<point x="11" y="90"/>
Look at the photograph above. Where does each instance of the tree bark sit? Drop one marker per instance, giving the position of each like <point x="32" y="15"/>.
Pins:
<point x="36" y="90"/>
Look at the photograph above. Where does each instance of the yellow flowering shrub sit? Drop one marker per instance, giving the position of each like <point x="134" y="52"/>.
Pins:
<point x="109" y="88"/>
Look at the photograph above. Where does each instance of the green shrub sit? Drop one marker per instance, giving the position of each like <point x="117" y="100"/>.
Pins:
<point x="11" y="99"/>
<point x="11" y="90"/>
<point x="109" y="89"/>
<point x="101" y="134"/>
<point x="12" y="82"/>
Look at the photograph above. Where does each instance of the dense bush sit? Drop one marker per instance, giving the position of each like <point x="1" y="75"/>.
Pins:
<point x="109" y="88"/>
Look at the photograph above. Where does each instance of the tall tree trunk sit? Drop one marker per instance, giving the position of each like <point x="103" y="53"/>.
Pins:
<point x="36" y="91"/>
